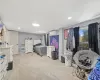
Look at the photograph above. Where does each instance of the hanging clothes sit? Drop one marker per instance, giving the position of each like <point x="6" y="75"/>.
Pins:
<point x="93" y="36"/>
<point x="76" y="35"/>
<point x="70" y="40"/>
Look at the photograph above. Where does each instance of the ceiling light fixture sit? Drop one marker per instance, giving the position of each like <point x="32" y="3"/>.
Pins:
<point x="35" y="25"/>
<point x="69" y="18"/>
<point x="19" y="28"/>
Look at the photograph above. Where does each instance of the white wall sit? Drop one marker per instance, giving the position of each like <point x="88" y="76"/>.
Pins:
<point x="5" y="35"/>
<point x="43" y="40"/>
<point x="61" y="43"/>
<point x="59" y="32"/>
<point x="84" y="24"/>
<point x="23" y="35"/>
<point x="13" y="40"/>
<point x="18" y="38"/>
<point x="53" y="33"/>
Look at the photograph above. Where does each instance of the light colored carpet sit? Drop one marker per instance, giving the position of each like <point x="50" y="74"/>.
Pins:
<point x="34" y="67"/>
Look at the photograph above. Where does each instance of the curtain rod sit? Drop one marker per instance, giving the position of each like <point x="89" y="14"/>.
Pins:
<point x="80" y="26"/>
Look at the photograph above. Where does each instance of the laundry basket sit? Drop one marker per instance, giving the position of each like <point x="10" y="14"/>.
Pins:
<point x="68" y="58"/>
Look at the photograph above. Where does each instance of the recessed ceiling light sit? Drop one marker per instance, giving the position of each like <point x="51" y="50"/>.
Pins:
<point x="69" y="18"/>
<point x="19" y="28"/>
<point x="35" y="24"/>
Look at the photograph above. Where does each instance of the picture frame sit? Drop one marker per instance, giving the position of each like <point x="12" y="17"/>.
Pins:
<point x="65" y="33"/>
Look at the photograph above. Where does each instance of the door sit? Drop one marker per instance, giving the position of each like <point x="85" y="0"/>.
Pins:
<point x="14" y="41"/>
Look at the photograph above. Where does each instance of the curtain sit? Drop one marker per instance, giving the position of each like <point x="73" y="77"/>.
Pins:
<point x="93" y="36"/>
<point x="76" y="36"/>
<point x="47" y="39"/>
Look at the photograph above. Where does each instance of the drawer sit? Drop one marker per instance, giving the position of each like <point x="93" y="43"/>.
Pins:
<point x="3" y="74"/>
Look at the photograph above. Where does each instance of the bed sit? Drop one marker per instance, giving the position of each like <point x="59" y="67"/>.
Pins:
<point x="41" y="50"/>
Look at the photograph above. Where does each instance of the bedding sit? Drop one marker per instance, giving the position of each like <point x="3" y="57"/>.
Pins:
<point x="41" y="50"/>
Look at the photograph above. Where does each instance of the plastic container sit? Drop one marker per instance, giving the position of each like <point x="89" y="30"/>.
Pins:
<point x="54" y="55"/>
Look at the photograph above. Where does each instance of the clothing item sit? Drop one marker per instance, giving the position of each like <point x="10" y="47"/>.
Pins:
<point x="95" y="73"/>
<point x="93" y="36"/>
<point x="70" y="39"/>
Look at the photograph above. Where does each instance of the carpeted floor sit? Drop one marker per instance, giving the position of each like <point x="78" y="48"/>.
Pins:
<point x="34" y="67"/>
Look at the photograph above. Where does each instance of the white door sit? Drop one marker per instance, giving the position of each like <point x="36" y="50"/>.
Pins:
<point x="14" y="41"/>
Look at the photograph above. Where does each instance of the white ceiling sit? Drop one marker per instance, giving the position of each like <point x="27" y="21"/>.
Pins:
<point x="50" y="14"/>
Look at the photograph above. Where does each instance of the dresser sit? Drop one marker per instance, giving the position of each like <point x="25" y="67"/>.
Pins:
<point x="3" y="65"/>
<point x="28" y="46"/>
<point x="8" y="50"/>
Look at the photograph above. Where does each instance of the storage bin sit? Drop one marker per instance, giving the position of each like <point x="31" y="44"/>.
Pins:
<point x="54" y="55"/>
<point x="62" y="59"/>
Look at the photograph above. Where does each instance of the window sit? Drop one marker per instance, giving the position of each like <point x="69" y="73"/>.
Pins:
<point x="83" y="38"/>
